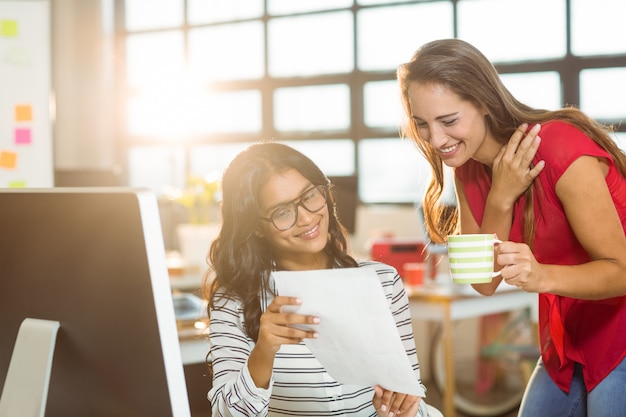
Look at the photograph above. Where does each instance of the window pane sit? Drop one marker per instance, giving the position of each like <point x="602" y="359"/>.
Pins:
<point x="541" y="90"/>
<point x="314" y="108"/>
<point x="175" y="114"/>
<point x="620" y="138"/>
<point x="388" y="36"/>
<point x="391" y="171"/>
<point x="301" y="6"/>
<point x="156" y="167"/>
<point x="334" y="157"/>
<point x="153" y="14"/>
<point x="382" y="105"/>
<point x="171" y="112"/>
<point x="212" y="160"/>
<point x="602" y="93"/>
<point x="154" y="58"/>
<point x="310" y="45"/>
<point x="598" y="27"/>
<point x="241" y="57"/>
<point x="232" y="112"/>
<point x="210" y="11"/>
<point x="525" y="29"/>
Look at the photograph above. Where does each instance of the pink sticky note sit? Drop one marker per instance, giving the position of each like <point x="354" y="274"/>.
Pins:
<point x="22" y="136"/>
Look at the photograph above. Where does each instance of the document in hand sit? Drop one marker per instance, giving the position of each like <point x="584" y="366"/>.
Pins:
<point x="358" y="341"/>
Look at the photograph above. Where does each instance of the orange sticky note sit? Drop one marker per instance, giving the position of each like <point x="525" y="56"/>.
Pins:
<point x="8" y="28"/>
<point x="8" y="160"/>
<point x="23" y="113"/>
<point x="22" y="136"/>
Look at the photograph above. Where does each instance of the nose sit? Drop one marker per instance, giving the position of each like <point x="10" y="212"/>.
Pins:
<point x="303" y="215"/>
<point x="437" y="137"/>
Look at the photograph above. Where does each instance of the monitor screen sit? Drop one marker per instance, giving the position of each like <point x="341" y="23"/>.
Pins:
<point x="93" y="260"/>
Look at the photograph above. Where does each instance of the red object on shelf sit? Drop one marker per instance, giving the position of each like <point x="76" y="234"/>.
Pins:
<point x="397" y="252"/>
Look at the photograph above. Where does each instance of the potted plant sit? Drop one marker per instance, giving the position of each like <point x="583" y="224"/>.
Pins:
<point x="201" y="200"/>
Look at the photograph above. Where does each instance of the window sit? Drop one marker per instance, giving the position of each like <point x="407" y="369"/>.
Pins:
<point x="602" y="93"/>
<point x="204" y="78"/>
<point x="537" y="89"/>
<point x="516" y="30"/>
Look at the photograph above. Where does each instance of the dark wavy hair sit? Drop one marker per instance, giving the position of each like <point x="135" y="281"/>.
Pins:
<point x="465" y="71"/>
<point x="240" y="260"/>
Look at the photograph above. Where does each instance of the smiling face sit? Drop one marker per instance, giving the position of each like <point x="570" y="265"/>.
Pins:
<point x="302" y="246"/>
<point x="453" y="127"/>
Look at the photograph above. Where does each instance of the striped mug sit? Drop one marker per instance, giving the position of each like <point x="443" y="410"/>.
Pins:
<point x="471" y="258"/>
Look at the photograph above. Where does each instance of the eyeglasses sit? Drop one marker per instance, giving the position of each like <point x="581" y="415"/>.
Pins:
<point x="286" y="216"/>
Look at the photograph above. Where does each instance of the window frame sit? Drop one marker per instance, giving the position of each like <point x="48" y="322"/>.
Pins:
<point x="569" y="68"/>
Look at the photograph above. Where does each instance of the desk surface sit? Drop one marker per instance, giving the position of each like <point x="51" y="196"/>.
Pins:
<point x="452" y="291"/>
<point x="459" y="302"/>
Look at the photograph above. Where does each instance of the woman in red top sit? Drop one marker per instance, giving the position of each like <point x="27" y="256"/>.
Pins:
<point x="558" y="201"/>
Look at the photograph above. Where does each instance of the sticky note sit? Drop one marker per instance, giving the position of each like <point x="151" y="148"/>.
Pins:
<point x="23" y="113"/>
<point x="17" y="184"/>
<point x="8" y="28"/>
<point x="22" y="136"/>
<point x="8" y="160"/>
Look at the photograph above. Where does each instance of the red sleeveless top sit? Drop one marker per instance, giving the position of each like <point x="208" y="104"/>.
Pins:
<point x="592" y="333"/>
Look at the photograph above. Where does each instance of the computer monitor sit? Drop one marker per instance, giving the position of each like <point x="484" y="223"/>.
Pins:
<point x="92" y="259"/>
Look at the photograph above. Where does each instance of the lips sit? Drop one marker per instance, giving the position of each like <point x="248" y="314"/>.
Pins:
<point x="311" y="232"/>
<point x="448" y="149"/>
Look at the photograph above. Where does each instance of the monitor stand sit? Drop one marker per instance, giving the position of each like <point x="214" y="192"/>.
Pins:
<point x="25" y="389"/>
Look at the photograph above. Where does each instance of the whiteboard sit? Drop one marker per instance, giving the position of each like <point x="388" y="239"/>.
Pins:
<point x="26" y="155"/>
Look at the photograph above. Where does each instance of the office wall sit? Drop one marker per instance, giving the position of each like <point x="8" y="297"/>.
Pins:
<point x="25" y="129"/>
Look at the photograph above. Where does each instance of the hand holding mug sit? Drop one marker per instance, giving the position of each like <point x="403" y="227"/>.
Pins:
<point x="521" y="268"/>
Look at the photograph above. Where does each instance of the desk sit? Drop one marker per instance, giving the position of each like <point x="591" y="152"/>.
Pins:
<point x="446" y="304"/>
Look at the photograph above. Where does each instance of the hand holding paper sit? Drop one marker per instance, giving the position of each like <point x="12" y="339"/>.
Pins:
<point x="358" y="341"/>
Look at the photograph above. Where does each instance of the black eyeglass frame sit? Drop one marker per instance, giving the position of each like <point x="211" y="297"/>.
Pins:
<point x="324" y="189"/>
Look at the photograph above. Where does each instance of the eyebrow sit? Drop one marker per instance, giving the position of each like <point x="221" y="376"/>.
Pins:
<point x="306" y="188"/>
<point x="444" y="116"/>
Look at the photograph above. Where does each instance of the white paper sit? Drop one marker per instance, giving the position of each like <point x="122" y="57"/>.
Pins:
<point x="358" y="340"/>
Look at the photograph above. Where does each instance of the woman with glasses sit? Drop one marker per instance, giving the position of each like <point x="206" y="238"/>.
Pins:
<point x="278" y="214"/>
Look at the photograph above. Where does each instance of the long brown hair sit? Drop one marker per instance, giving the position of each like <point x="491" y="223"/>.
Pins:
<point x="240" y="260"/>
<point x="465" y="71"/>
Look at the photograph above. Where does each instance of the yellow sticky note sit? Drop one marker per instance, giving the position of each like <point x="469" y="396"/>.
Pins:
<point x="23" y="113"/>
<point x="8" y="160"/>
<point x="8" y="28"/>
<point x="17" y="184"/>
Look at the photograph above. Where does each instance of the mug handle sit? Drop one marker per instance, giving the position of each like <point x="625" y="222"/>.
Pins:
<point x="496" y="273"/>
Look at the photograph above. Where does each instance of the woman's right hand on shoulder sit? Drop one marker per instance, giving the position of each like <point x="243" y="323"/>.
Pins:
<point x="281" y="325"/>
<point x="512" y="170"/>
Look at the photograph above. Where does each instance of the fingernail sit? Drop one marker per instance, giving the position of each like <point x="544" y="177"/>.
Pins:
<point x="316" y="320"/>
<point x="390" y="414"/>
<point x="537" y="127"/>
<point x="383" y="408"/>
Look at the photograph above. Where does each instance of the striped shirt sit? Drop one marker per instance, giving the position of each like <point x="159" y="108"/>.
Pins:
<point x="300" y="386"/>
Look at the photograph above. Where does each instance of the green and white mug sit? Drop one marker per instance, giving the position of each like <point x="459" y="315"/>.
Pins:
<point x="471" y="258"/>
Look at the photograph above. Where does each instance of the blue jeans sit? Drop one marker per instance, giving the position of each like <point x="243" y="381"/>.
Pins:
<point x="543" y="398"/>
